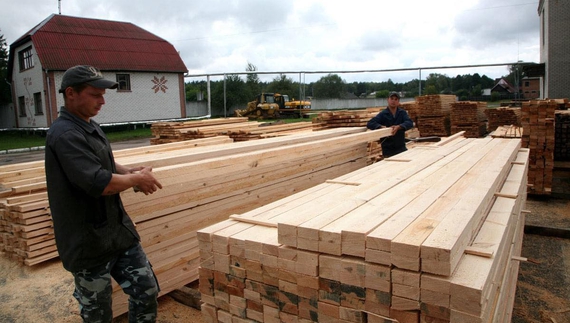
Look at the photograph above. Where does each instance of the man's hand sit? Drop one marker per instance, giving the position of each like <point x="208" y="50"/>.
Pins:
<point x="147" y="183"/>
<point x="395" y="129"/>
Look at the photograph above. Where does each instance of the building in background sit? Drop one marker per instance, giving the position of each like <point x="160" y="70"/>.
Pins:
<point x="554" y="48"/>
<point x="148" y="69"/>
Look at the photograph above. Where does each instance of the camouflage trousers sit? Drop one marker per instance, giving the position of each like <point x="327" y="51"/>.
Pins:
<point x="132" y="271"/>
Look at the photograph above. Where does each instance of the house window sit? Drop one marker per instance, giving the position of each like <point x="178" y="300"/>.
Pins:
<point x="22" y="106"/>
<point x="38" y="103"/>
<point x="26" y="59"/>
<point x="124" y="81"/>
<point x="527" y="83"/>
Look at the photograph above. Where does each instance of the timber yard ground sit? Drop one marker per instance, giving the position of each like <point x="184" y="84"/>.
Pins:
<point x="43" y="293"/>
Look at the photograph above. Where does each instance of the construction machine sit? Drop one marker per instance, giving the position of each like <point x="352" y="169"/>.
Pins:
<point x="274" y="106"/>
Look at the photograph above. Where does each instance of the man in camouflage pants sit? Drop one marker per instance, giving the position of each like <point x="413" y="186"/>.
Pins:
<point x="95" y="237"/>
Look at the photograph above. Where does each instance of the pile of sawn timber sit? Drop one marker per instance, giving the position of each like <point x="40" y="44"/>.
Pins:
<point x="434" y="114"/>
<point x="537" y="118"/>
<point x="205" y="185"/>
<point x="345" y="118"/>
<point x="504" y="116"/>
<point x="239" y="129"/>
<point x="431" y="235"/>
<point x="469" y="116"/>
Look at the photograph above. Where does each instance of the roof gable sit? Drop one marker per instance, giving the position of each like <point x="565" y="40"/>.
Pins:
<point x="64" y="41"/>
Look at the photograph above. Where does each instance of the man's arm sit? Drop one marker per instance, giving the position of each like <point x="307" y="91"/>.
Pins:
<point x="125" y="178"/>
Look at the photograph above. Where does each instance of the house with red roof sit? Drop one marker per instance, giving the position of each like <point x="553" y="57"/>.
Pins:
<point x="148" y="69"/>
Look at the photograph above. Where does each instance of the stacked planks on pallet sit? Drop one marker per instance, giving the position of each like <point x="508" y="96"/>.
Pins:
<point x="430" y="235"/>
<point x="562" y="136"/>
<point x="168" y="132"/>
<point x="270" y="130"/>
<point x="411" y="108"/>
<point x="504" y="116"/>
<point x="537" y="120"/>
<point x="507" y="132"/>
<point x="469" y="116"/>
<point x="433" y="114"/>
<point x="205" y="185"/>
<point x="345" y="118"/>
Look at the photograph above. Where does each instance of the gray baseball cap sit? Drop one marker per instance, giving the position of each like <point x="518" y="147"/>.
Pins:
<point x="85" y="74"/>
<point x="394" y="93"/>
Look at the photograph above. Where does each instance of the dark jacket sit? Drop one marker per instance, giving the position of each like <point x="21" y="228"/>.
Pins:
<point x="90" y="228"/>
<point x="397" y="143"/>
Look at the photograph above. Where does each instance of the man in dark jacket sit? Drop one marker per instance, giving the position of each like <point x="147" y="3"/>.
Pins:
<point x="397" y="119"/>
<point x="95" y="237"/>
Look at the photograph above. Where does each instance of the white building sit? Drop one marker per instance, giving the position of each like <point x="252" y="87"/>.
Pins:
<point x="148" y="69"/>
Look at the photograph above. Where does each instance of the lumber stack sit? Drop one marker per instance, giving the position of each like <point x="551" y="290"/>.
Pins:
<point x="469" y="116"/>
<point x="167" y="132"/>
<point x="431" y="235"/>
<point x="537" y="118"/>
<point x="269" y="130"/>
<point x="433" y="114"/>
<point x="345" y="118"/>
<point x="562" y="136"/>
<point x="503" y="116"/>
<point x="411" y="108"/>
<point x="205" y="185"/>
<point x="507" y="132"/>
<point x="26" y="229"/>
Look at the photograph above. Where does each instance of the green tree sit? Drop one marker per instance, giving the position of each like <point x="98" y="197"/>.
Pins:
<point x="195" y="90"/>
<point x="382" y="94"/>
<point x="331" y="86"/>
<point x="252" y="82"/>
<point x="283" y="85"/>
<point x="235" y="90"/>
<point x="5" y="95"/>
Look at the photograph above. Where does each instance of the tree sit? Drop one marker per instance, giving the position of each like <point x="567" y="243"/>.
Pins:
<point x="235" y="90"/>
<point x="252" y="82"/>
<point x="5" y="95"/>
<point x="331" y="86"/>
<point x="283" y="85"/>
<point x="195" y="91"/>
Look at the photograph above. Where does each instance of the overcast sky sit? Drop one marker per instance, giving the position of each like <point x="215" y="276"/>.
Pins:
<point x="222" y="36"/>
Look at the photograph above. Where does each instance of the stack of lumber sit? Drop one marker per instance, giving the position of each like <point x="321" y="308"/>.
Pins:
<point x="503" y="116"/>
<point x="433" y="114"/>
<point x="269" y="130"/>
<point x="205" y="185"/>
<point x="431" y="235"/>
<point x="562" y="136"/>
<point x="26" y="229"/>
<point x="470" y="117"/>
<point x="537" y="118"/>
<point x="411" y="108"/>
<point x="167" y="132"/>
<point x="345" y="118"/>
<point x="507" y="132"/>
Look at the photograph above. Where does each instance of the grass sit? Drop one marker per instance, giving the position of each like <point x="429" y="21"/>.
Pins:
<point x="26" y="139"/>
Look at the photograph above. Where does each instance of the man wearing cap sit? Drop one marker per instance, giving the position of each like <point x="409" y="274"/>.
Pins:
<point x="397" y="119"/>
<point x="95" y="237"/>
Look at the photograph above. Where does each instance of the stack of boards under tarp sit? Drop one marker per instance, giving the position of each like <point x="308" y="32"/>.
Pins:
<point x="239" y="129"/>
<point x="431" y="235"/>
<point x="434" y="114"/>
<point x="469" y="116"/>
<point x="205" y="185"/>
<point x="537" y="120"/>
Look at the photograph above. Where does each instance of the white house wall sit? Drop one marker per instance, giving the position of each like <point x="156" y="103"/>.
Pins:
<point x="26" y="83"/>
<point x="153" y="96"/>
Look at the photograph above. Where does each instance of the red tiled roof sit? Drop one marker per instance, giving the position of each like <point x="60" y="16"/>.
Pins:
<point x="65" y="41"/>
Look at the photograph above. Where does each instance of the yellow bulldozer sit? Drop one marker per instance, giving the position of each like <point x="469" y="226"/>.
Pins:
<point x="274" y="106"/>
